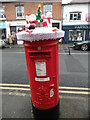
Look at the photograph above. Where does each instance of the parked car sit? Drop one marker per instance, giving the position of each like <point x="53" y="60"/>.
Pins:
<point x="82" y="45"/>
<point x="2" y="43"/>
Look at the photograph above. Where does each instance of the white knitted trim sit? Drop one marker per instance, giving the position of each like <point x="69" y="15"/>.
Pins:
<point x="41" y="33"/>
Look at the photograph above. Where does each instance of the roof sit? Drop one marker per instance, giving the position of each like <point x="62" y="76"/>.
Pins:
<point x="30" y="0"/>
<point x="78" y="2"/>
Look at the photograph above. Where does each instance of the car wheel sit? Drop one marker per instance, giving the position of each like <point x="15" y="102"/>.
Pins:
<point x="84" y="47"/>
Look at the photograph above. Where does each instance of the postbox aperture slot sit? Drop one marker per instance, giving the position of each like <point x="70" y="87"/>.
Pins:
<point x="40" y="54"/>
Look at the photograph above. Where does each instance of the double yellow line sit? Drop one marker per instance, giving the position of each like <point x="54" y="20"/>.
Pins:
<point x="62" y="89"/>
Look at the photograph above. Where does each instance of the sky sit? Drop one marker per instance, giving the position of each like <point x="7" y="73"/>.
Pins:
<point x="63" y="1"/>
<point x="66" y="1"/>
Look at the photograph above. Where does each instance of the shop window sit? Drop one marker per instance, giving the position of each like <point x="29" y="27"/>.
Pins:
<point x="2" y="13"/>
<point x="87" y="17"/>
<point x="2" y="34"/>
<point x="75" y="16"/>
<point x="55" y="25"/>
<point x="47" y="8"/>
<point x="20" y="12"/>
<point x="76" y="35"/>
<point x="20" y="28"/>
<point x="12" y="29"/>
<point x="89" y="35"/>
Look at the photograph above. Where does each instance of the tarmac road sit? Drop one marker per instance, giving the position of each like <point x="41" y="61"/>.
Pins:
<point x="73" y="69"/>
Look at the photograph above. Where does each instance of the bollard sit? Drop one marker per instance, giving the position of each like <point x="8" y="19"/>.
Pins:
<point x="69" y="51"/>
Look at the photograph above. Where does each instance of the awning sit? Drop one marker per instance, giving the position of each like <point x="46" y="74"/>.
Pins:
<point x="2" y="25"/>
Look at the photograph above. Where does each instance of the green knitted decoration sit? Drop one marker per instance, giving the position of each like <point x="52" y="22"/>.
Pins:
<point x="27" y="22"/>
<point x="38" y="15"/>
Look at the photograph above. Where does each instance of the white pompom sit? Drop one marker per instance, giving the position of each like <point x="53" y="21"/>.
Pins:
<point x="49" y="14"/>
<point x="32" y="17"/>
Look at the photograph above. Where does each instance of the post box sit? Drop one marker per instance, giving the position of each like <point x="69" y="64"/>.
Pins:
<point x="41" y="49"/>
<point x="42" y="64"/>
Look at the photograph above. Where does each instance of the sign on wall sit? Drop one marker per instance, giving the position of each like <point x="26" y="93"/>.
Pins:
<point x="2" y="25"/>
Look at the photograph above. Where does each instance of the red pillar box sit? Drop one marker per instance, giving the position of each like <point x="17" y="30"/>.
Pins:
<point x="41" y="49"/>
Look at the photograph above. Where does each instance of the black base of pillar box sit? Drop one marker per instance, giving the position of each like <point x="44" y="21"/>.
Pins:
<point x="51" y="114"/>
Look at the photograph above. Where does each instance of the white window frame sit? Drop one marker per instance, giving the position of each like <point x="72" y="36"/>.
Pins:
<point x="47" y="8"/>
<point x="20" y="10"/>
<point x="75" y="15"/>
<point x="2" y="13"/>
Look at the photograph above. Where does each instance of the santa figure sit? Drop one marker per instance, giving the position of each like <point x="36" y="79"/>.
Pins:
<point x="31" y="21"/>
<point x="47" y="20"/>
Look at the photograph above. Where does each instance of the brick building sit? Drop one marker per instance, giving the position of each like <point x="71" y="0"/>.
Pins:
<point x="12" y="13"/>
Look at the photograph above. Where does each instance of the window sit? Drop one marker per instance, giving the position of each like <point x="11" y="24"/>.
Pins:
<point x="75" y="16"/>
<point x="20" y="28"/>
<point x="2" y="13"/>
<point x="20" y="12"/>
<point x="47" y="8"/>
<point x="89" y="35"/>
<point x="76" y="35"/>
<point x="2" y="33"/>
<point x="87" y="17"/>
<point x="55" y="25"/>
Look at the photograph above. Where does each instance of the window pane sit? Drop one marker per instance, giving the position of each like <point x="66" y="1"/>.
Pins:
<point x="20" y="8"/>
<point x="2" y="13"/>
<point x="89" y="35"/>
<point x="71" y="16"/>
<point x="20" y="11"/>
<point x="75" y="16"/>
<point x="76" y="35"/>
<point x="47" y="8"/>
<point x="79" y="16"/>
<point x="19" y="14"/>
<point x="1" y="10"/>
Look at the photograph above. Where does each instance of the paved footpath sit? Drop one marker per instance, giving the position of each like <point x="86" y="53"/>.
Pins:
<point x="16" y="104"/>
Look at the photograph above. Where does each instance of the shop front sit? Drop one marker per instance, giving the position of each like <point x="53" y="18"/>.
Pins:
<point x="76" y="33"/>
<point x="15" y="26"/>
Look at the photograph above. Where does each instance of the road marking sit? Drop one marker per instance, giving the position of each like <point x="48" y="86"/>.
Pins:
<point x="60" y="91"/>
<point x="18" y="85"/>
<point x="74" y="92"/>
<point x="74" y="88"/>
<point x="60" y="87"/>
<point x="74" y="53"/>
<point x="14" y="88"/>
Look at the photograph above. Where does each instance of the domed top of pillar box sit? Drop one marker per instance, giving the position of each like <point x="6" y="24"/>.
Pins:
<point x="40" y="33"/>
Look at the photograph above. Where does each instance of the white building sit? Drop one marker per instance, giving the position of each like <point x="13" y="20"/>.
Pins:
<point x="76" y="20"/>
